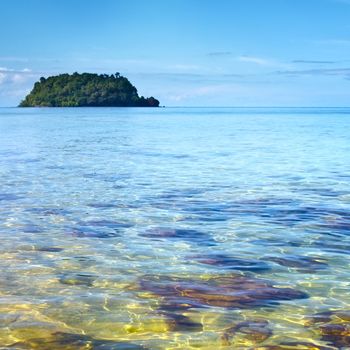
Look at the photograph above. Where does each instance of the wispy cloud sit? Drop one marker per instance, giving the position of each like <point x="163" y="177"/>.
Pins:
<point x="264" y="62"/>
<point x="245" y="58"/>
<point x="314" y="61"/>
<point x="10" y="70"/>
<point x="343" y="72"/>
<point x="256" y="60"/>
<point x="220" y="53"/>
<point x="201" y="78"/>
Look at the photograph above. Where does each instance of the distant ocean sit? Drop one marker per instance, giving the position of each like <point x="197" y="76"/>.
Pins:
<point x="175" y="228"/>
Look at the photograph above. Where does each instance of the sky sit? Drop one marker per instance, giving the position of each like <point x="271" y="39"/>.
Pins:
<point x="184" y="52"/>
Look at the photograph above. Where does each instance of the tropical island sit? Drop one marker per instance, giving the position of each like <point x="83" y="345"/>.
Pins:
<point x="86" y="90"/>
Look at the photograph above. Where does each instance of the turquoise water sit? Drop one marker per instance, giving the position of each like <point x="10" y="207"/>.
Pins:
<point x="175" y="228"/>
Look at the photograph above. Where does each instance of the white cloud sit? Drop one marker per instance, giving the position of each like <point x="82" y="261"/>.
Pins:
<point x="4" y="69"/>
<point x="256" y="60"/>
<point x="264" y="62"/>
<point x="15" y="84"/>
<point x="2" y="77"/>
<point x="9" y="74"/>
<point x="18" y="78"/>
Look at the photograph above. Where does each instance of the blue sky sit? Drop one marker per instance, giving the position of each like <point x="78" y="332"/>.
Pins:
<point x="184" y="52"/>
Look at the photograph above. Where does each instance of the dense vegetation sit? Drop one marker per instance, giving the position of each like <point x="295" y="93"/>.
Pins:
<point x="86" y="90"/>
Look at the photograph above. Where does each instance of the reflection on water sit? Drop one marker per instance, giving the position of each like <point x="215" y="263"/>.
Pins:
<point x="174" y="229"/>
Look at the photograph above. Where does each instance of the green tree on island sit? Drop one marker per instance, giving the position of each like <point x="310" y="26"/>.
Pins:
<point x="86" y="90"/>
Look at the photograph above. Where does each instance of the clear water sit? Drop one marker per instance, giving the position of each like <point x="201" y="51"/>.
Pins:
<point x="174" y="228"/>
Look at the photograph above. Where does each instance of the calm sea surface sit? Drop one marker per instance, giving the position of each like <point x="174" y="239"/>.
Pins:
<point x="171" y="228"/>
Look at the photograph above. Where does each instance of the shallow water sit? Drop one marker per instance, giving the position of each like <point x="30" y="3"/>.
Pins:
<point x="174" y="228"/>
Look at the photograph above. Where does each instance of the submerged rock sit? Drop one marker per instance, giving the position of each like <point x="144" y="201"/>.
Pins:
<point x="189" y="235"/>
<point x="233" y="291"/>
<point x="175" y="320"/>
<point x="78" y="280"/>
<point x="301" y="263"/>
<point x="254" y="330"/>
<point x="336" y="334"/>
<point x="102" y="205"/>
<point x="70" y="341"/>
<point x="49" y="249"/>
<point x="98" y="229"/>
<point x="334" y="327"/>
<point x="86" y="232"/>
<point x="328" y="316"/>
<point x="229" y="263"/>
<point x="294" y="346"/>
<point x="180" y="323"/>
<point x="106" y="223"/>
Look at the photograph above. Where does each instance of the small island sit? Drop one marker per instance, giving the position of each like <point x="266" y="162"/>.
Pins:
<point x="86" y="90"/>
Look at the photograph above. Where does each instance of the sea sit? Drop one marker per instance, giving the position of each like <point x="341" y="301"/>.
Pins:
<point x="174" y="228"/>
